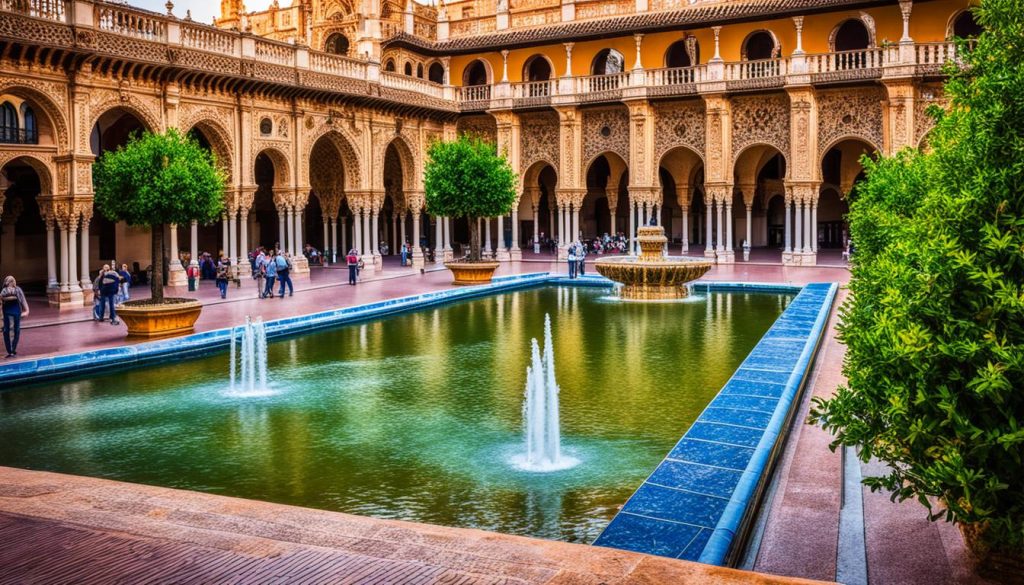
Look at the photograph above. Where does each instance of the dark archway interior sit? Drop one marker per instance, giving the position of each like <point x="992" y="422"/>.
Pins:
<point x="436" y="73"/>
<point x="966" y="27"/>
<point x="29" y="228"/>
<point x="852" y="36"/>
<point x="538" y="69"/>
<point x="476" y="74"/>
<point x="337" y="44"/>
<point x="676" y="56"/>
<point x="313" y="225"/>
<point x="608" y="62"/>
<point x="408" y="68"/>
<point x="263" y="203"/>
<point x="209" y="235"/>
<point x="389" y="66"/>
<point x="759" y="45"/>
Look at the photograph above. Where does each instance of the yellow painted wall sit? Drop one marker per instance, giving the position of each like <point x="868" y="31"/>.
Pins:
<point x="928" y="23"/>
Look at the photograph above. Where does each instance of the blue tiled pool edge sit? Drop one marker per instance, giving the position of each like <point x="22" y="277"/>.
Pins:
<point x="706" y="489"/>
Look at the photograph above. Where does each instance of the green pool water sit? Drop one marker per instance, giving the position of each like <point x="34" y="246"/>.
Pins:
<point x="414" y="416"/>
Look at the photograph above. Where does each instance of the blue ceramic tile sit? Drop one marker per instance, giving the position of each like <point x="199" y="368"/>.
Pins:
<point x="711" y="454"/>
<point x="762" y="376"/>
<point x="701" y="479"/>
<point x="735" y="416"/>
<point x="696" y="546"/>
<point x="647" y="535"/>
<point x="749" y="388"/>
<point x="664" y="503"/>
<point x="725" y="434"/>
<point x="738" y="401"/>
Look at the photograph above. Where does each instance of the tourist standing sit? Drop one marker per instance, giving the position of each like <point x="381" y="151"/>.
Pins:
<point x="405" y="253"/>
<point x="270" y="273"/>
<point x="223" y="268"/>
<point x="14" y="308"/>
<point x="258" y="275"/>
<point x="110" y="284"/>
<point x="126" y="283"/>
<point x="572" y="260"/>
<point x="284" y="269"/>
<point x="581" y="257"/>
<point x="192" y="272"/>
<point x="352" y="261"/>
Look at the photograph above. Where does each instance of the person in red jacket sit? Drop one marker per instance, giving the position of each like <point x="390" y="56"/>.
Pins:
<point x="352" y="260"/>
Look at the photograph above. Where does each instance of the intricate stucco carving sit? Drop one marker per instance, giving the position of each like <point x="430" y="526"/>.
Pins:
<point x="344" y="143"/>
<point x="145" y="108"/>
<point x="923" y="123"/>
<point x="214" y="123"/>
<point x="679" y="124"/>
<point x="760" y="119"/>
<point x="281" y="158"/>
<point x="538" y="139"/>
<point x="850" y="114"/>
<point x="605" y="130"/>
<point x="41" y="162"/>
<point x="483" y="125"/>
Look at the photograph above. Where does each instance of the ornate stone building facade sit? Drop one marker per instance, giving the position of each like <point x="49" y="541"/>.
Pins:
<point x="727" y="122"/>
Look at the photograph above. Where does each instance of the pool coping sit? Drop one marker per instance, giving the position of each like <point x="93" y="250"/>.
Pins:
<point x="699" y="501"/>
<point x="802" y="324"/>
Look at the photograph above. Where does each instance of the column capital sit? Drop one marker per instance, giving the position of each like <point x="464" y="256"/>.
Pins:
<point x="720" y="192"/>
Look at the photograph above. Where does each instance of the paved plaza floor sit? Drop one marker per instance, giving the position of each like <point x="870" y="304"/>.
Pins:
<point x="809" y="529"/>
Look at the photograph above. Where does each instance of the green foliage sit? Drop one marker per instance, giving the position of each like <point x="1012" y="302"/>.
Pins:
<point x="468" y="178"/>
<point x="934" y="323"/>
<point x="159" y="179"/>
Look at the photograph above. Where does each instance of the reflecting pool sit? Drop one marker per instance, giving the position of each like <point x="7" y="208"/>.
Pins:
<point x="416" y="416"/>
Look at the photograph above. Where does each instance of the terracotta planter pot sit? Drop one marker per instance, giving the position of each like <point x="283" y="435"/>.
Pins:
<point x="998" y="565"/>
<point x="472" y="272"/>
<point x="173" y="317"/>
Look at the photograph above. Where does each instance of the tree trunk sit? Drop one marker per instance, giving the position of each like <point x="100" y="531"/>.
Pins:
<point x="156" y="283"/>
<point x="474" y="240"/>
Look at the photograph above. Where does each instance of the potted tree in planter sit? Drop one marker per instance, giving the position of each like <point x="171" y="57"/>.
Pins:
<point x="467" y="178"/>
<point x="934" y="323"/>
<point x="156" y="180"/>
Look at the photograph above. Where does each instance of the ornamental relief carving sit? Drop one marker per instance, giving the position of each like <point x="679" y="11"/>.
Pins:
<point x="538" y="139"/>
<point x="35" y="30"/>
<point x="606" y="130"/>
<point x="923" y="123"/>
<point x="484" y="126"/>
<point x="679" y="124"/>
<point x="40" y="161"/>
<point x="760" y="120"/>
<point x="49" y="96"/>
<point x="343" y="144"/>
<point x="146" y="108"/>
<point x="850" y="113"/>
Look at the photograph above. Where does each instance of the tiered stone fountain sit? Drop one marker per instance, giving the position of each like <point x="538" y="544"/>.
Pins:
<point x="653" y="275"/>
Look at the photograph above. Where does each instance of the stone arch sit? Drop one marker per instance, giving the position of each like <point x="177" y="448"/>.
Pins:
<point x="751" y="160"/>
<point x="683" y="53"/>
<point x="130" y="104"/>
<point x="408" y="159"/>
<point x="279" y="160"/>
<point x="683" y="162"/>
<point x="840" y="162"/>
<point x="958" y="18"/>
<point x="220" y="141"/>
<point x="845" y="138"/>
<point x="435" y="72"/>
<point x="776" y="48"/>
<point x="470" y="74"/>
<point x="43" y="168"/>
<point x="529" y="70"/>
<point x="45" y="106"/>
<point x="348" y="154"/>
<point x="864" y="19"/>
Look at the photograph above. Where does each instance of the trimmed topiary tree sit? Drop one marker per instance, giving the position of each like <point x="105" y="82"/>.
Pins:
<point x="155" y="180"/>
<point x="934" y="324"/>
<point x="467" y="178"/>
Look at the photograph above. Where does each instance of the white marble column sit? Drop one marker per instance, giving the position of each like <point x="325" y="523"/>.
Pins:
<point x="299" y="237"/>
<point x="501" y="233"/>
<point x="51" y="259"/>
<point x="576" y="227"/>
<point x="632" y="226"/>
<point x="789" y="228"/>
<point x="375" y="233"/>
<point x="515" y="229"/>
<point x="282" y="233"/>
<point x="73" y="283"/>
<point x="288" y="243"/>
<point x="536" y="227"/>
<point x="232" y="249"/>
<point x="65" y="285"/>
<point x="173" y="261"/>
<point x="334" y="240"/>
<point x="808" y="227"/>
<point x="750" y="231"/>
<point x="417" y="217"/>
<point x="86" y="283"/>
<point x="686" y="230"/>
<point x="438" y="237"/>
<point x="357" y="231"/>
<point x="487" y="235"/>
<point x="401" y="235"/>
<point x="709" y="214"/>
<point x="224" y="233"/>
<point x="814" y="226"/>
<point x="728" y="225"/>
<point x="797" y="224"/>
<point x="243" y="239"/>
<point x="719" y="234"/>
<point x="194" y="243"/>
<point x="327" y="232"/>
<point x="612" y="218"/>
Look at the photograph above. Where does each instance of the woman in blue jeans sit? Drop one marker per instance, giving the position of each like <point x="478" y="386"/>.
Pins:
<point x="14" y="307"/>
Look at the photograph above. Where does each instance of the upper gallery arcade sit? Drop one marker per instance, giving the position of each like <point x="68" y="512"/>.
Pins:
<point x="728" y="122"/>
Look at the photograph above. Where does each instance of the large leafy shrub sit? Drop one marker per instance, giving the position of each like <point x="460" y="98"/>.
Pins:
<point x="468" y="178"/>
<point x="934" y="324"/>
<point x="159" y="179"/>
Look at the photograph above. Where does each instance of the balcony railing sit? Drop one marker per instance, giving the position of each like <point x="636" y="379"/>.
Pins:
<point x="398" y="81"/>
<point x="48" y="9"/>
<point x="19" y="136"/>
<point x="845" y="61"/>
<point x="123" y="20"/>
<point x="474" y="93"/>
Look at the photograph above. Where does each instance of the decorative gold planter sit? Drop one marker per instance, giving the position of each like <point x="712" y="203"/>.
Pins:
<point x="173" y="317"/>
<point x="472" y="272"/>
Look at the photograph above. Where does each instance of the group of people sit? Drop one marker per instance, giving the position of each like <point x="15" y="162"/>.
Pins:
<point x="111" y="287"/>
<point x="268" y="267"/>
<point x="577" y="259"/>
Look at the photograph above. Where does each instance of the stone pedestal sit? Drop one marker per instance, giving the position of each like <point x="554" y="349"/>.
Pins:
<point x="300" y="267"/>
<point x="503" y="255"/>
<point x="516" y="255"/>
<point x="449" y="255"/>
<point x="727" y="257"/>
<point x="68" y="300"/>
<point x="418" y="262"/>
<point x="176" y="277"/>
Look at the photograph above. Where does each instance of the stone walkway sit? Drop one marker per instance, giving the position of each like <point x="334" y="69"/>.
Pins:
<point x="66" y="529"/>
